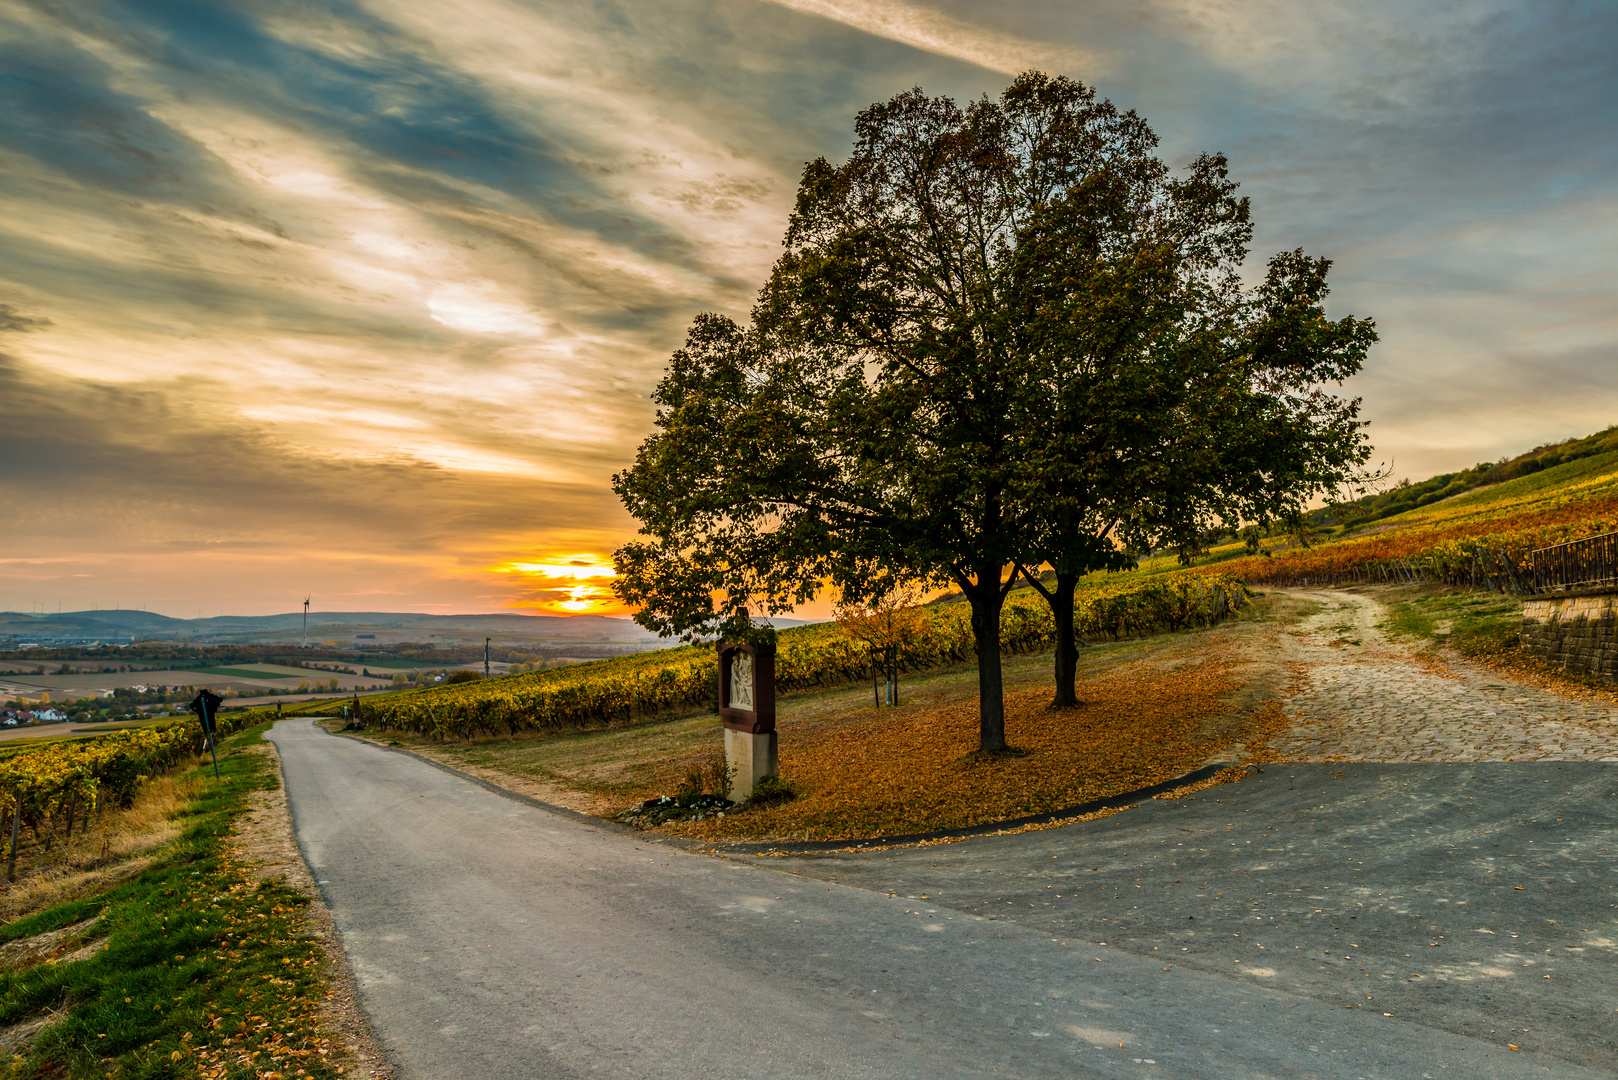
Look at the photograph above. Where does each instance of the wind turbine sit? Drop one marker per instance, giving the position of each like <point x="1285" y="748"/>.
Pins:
<point x="306" y="620"/>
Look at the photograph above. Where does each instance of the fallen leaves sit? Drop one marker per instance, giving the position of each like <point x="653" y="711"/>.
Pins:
<point x="917" y="770"/>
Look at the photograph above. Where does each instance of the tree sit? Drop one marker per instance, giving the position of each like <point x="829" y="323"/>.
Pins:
<point x="998" y="337"/>
<point x="1111" y="255"/>
<point x="1224" y="420"/>
<point x="1171" y="402"/>
<point x="884" y="625"/>
<point x="861" y="430"/>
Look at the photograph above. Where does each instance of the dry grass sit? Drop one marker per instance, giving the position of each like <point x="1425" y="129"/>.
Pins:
<point x="114" y="847"/>
<point x="62" y="945"/>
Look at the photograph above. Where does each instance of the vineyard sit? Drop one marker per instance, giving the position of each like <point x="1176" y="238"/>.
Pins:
<point x="628" y="689"/>
<point x="52" y="786"/>
<point x="1481" y="539"/>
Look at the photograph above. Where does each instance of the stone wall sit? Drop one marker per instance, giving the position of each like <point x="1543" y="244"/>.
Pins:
<point x="1578" y="632"/>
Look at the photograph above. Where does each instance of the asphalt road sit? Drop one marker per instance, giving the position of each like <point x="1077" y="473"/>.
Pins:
<point x="492" y="939"/>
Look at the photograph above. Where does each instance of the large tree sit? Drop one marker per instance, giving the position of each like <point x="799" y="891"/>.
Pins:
<point x="1164" y="430"/>
<point x="1170" y="397"/>
<point x="862" y="430"/>
<point x="967" y="360"/>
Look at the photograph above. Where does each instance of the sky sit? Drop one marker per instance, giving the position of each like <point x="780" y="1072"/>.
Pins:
<point x="365" y="300"/>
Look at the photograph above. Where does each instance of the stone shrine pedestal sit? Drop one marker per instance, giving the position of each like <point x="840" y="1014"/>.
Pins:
<point x="750" y="757"/>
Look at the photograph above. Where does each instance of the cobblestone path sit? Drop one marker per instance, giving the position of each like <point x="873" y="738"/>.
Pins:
<point x="1357" y="696"/>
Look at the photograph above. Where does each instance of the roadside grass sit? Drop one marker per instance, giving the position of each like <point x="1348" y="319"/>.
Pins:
<point x="195" y="968"/>
<point x="1470" y="621"/>
<point x="104" y="851"/>
<point x="1152" y="709"/>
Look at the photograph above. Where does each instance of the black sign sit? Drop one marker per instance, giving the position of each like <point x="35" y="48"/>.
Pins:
<point x="206" y="706"/>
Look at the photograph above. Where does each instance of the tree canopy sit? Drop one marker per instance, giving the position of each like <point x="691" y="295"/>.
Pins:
<point x="998" y="338"/>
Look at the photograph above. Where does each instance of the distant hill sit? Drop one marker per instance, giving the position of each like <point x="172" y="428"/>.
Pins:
<point x="385" y="625"/>
<point x="1407" y="496"/>
<point x="349" y="627"/>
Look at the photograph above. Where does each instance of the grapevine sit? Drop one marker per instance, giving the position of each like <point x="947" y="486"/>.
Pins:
<point x="1442" y="551"/>
<point x="68" y="780"/>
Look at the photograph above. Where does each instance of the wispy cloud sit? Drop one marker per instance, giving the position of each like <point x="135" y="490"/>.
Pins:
<point x="923" y="27"/>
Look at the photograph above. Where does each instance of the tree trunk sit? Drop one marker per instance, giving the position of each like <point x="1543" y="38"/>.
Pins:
<point x="986" y="599"/>
<point x="1067" y="652"/>
<point x="1068" y="639"/>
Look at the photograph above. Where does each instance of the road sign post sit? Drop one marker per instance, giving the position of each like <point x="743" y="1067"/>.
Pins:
<point x="206" y="706"/>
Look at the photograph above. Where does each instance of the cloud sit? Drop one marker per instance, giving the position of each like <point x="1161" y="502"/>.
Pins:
<point x="369" y="296"/>
<point x="13" y="320"/>
<point x="923" y="27"/>
<point x="124" y="479"/>
<point x="483" y="308"/>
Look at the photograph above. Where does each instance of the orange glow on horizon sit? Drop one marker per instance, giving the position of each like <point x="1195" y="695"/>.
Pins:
<point x="577" y="567"/>
<point x="565" y="584"/>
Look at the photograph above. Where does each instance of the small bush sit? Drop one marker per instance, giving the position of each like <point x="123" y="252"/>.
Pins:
<point x="710" y="776"/>
<point x="771" y="791"/>
<point x="462" y="677"/>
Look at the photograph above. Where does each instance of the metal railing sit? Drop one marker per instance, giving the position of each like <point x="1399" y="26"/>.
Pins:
<point x="1487" y="568"/>
<point x="1577" y="564"/>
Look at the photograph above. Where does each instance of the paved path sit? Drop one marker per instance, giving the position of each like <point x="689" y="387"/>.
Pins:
<point x="1361" y="697"/>
<point x="491" y="939"/>
<point x="1479" y="900"/>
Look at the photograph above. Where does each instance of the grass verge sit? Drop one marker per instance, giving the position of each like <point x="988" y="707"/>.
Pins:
<point x="195" y="968"/>
<point x="1467" y="620"/>
<point x="105" y="851"/>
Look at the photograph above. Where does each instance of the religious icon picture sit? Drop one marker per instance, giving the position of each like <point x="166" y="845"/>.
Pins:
<point x="741" y="680"/>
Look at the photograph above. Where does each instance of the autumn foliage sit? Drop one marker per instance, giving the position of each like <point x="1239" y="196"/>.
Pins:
<point x="1139" y="723"/>
<point x="59" y="781"/>
<point x="1445" y="550"/>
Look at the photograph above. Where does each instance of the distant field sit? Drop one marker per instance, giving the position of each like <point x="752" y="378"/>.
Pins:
<point x="279" y="671"/>
<point x="12" y="739"/>
<point x="257" y="671"/>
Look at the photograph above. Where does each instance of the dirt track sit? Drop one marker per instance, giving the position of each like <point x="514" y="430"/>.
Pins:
<point x="1357" y="696"/>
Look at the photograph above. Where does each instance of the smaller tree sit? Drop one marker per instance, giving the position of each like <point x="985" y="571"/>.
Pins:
<point x="884" y="625"/>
